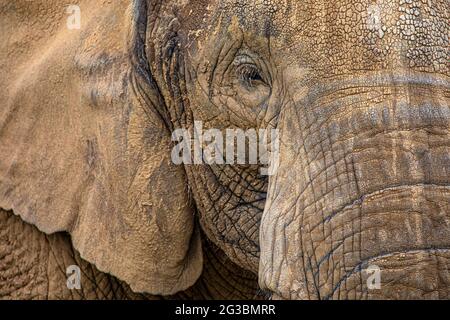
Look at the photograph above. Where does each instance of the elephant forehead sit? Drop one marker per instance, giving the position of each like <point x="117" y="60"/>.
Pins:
<point x="342" y="36"/>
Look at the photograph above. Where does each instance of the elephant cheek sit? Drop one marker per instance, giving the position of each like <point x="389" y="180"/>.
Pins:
<point x="359" y="206"/>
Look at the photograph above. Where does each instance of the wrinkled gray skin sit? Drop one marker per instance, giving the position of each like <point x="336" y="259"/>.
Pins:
<point x="359" y="92"/>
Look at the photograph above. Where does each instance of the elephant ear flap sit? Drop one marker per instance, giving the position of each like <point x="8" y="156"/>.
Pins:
<point x="84" y="147"/>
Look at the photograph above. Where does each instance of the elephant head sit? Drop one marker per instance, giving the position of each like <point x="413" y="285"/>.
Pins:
<point x="357" y="91"/>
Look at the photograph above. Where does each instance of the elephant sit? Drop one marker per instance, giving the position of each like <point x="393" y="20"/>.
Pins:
<point x="358" y="206"/>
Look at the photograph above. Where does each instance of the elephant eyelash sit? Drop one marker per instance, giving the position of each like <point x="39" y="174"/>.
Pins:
<point x="249" y="75"/>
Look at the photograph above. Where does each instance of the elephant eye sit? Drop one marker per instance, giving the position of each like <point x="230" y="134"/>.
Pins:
<point x="250" y="80"/>
<point x="249" y="75"/>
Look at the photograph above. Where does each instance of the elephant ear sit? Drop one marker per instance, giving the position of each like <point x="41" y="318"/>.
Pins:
<point x="85" y="142"/>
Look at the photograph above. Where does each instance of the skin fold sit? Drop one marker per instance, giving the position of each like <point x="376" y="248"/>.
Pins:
<point x="358" y="91"/>
<point x="33" y="266"/>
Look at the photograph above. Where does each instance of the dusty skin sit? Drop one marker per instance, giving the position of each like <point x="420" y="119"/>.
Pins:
<point x="359" y="91"/>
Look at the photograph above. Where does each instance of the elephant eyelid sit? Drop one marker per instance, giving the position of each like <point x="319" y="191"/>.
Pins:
<point x="249" y="75"/>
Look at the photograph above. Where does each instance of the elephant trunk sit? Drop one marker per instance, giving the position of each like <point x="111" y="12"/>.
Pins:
<point x="359" y="207"/>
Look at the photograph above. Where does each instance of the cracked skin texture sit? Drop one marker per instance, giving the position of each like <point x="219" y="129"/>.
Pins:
<point x="358" y="90"/>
